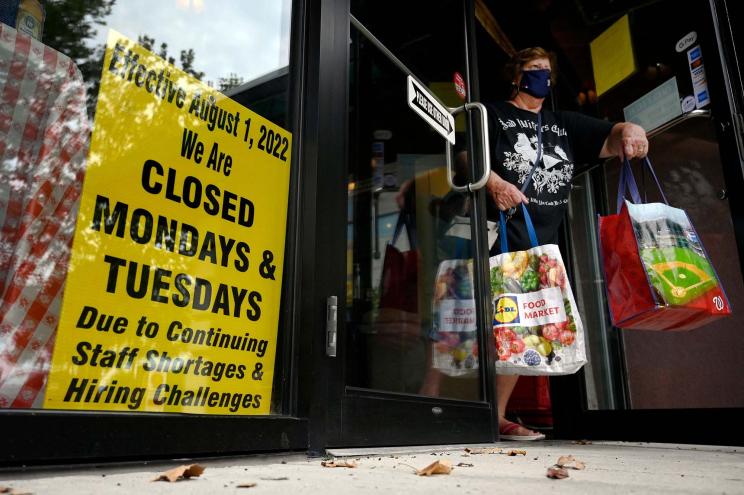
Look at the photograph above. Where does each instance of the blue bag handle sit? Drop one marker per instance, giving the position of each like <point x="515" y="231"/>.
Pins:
<point x="647" y="162"/>
<point x="460" y="245"/>
<point x="627" y="182"/>
<point x="528" y="223"/>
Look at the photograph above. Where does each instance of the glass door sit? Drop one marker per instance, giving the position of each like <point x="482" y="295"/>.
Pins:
<point x="410" y="331"/>
<point x="653" y="385"/>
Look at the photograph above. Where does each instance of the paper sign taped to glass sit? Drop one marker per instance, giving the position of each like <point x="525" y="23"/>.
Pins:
<point x="172" y="298"/>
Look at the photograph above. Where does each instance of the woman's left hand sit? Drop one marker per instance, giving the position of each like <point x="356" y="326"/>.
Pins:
<point x="634" y="141"/>
<point x="625" y="140"/>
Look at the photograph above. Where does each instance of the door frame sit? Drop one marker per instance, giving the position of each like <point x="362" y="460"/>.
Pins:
<point x="340" y="415"/>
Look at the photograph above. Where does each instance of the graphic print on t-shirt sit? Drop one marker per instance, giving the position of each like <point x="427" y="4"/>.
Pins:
<point x="569" y="139"/>
<point x="554" y="173"/>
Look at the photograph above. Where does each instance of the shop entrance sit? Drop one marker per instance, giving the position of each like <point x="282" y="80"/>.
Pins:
<point x="395" y="378"/>
<point x="409" y="329"/>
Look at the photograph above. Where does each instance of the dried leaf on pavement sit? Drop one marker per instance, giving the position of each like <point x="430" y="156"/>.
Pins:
<point x="582" y="442"/>
<point x="437" y="467"/>
<point x="569" y="461"/>
<point x="483" y="451"/>
<point x="516" y="452"/>
<point x="12" y="491"/>
<point x="465" y="464"/>
<point x="557" y="473"/>
<point x="335" y="464"/>
<point x="247" y="485"/>
<point x="181" y="472"/>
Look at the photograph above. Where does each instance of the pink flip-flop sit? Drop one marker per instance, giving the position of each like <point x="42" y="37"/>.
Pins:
<point x="507" y="428"/>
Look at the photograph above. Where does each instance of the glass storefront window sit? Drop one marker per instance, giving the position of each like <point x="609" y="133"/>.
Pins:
<point x="145" y="150"/>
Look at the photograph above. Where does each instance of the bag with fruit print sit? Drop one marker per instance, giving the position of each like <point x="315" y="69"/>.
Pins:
<point x="536" y="326"/>
<point x="455" y="348"/>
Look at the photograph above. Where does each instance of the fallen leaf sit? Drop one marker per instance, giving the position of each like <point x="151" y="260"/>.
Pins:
<point x="569" y="461"/>
<point x="181" y="472"/>
<point x="557" y="473"/>
<point x="437" y="467"/>
<point x="483" y="451"/>
<point x="335" y="464"/>
<point x="465" y="464"/>
<point x="247" y="485"/>
<point x="582" y="442"/>
<point x="516" y="452"/>
<point x="5" y="489"/>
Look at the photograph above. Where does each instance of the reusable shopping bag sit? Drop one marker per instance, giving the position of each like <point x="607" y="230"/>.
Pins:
<point x="455" y="348"/>
<point x="657" y="273"/>
<point x="399" y="281"/>
<point x="536" y="324"/>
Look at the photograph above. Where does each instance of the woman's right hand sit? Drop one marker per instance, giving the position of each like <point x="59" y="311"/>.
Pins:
<point x="504" y="194"/>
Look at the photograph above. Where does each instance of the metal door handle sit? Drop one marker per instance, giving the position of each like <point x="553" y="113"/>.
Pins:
<point x="484" y="143"/>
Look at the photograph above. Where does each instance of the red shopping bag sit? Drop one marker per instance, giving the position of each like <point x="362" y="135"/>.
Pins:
<point x="657" y="273"/>
<point x="399" y="280"/>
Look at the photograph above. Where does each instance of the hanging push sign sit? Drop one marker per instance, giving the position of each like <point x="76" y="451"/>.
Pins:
<point x="435" y="114"/>
<point x="172" y="298"/>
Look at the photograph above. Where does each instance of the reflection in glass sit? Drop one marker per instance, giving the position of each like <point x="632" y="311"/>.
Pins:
<point x="411" y="325"/>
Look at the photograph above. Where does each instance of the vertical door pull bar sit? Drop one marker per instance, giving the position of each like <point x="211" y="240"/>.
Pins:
<point x="484" y="143"/>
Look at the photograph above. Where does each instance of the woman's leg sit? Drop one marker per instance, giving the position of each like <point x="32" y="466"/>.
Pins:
<point x="504" y="387"/>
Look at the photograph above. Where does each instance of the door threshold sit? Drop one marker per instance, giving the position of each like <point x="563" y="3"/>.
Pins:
<point x="405" y="449"/>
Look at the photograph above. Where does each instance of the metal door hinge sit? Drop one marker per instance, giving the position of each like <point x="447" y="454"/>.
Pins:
<point x="331" y="325"/>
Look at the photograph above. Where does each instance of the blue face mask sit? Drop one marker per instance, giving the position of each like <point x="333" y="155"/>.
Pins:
<point x="535" y="82"/>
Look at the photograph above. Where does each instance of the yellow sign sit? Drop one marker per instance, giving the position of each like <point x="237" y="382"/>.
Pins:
<point x="612" y="55"/>
<point x="172" y="299"/>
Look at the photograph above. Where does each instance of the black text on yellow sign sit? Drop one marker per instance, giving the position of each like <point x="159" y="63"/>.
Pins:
<point x="172" y="299"/>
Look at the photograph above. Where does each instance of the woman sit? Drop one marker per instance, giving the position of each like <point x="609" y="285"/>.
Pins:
<point x="567" y="138"/>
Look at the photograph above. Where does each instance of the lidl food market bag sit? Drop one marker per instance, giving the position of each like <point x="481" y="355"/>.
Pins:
<point x="657" y="272"/>
<point x="455" y="348"/>
<point x="536" y="325"/>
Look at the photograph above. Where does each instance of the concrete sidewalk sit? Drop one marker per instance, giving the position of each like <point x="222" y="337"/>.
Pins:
<point x="611" y="467"/>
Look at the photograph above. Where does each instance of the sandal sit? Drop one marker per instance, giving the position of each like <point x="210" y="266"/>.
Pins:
<point x="508" y="431"/>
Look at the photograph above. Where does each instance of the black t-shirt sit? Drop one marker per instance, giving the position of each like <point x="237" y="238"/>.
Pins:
<point x="567" y="138"/>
